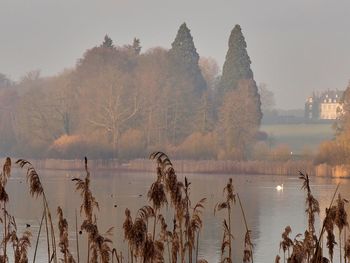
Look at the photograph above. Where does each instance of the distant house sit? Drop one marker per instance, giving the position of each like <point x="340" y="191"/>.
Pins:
<point x="326" y="106"/>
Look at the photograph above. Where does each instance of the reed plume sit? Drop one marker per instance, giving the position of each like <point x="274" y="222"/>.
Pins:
<point x="6" y="171"/>
<point x="227" y="204"/>
<point x="311" y="202"/>
<point x="127" y="226"/>
<point x="153" y="250"/>
<point x="286" y="242"/>
<point x="36" y="189"/>
<point x="164" y="235"/>
<point x="347" y="249"/>
<point x="89" y="201"/>
<point x="194" y="227"/>
<point x="341" y="219"/>
<point x="156" y="195"/>
<point x="145" y="213"/>
<point x="299" y="251"/>
<point x="21" y="244"/>
<point x="64" y="243"/>
<point x="98" y="245"/>
<point x="247" y="253"/>
<point x="312" y="207"/>
<point x="329" y="223"/>
<point x="138" y="237"/>
<point x="4" y="198"/>
<point x="175" y="243"/>
<point x="175" y="189"/>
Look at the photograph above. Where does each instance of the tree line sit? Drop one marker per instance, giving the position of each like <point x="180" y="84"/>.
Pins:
<point x="337" y="150"/>
<point x="119" y="102"/>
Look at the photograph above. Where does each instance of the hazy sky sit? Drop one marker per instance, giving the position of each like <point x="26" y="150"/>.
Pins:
<point x="296" y="46"/>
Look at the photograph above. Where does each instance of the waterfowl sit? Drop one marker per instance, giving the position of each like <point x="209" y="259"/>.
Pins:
<point x="279" y="187"/>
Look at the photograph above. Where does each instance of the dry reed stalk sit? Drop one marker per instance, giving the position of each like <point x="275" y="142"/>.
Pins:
<point x="345" y="245"/>
<point x="248" y="245"/>
<point x="156" y="195"/>
<point x="127" y="226"/>
<point x="164" y="234"/>
<point x="115" y="254"/>
<point x="347" y="249"/>
<point x="175" y="243"/>
<point x="317" y="255"/>
<point x="329" y="223"/>
<point x="4" y="175"/>
<point x="312" y="205"/>
<point x="36" y="189"/>
<point x="175" y="189"/>
<point x="76" y="235"/>
<point x="98" y="245"/>
<point x="286" y="242"/>
<point x="64" y="243"/>
<point x="37" y="239"/>
<point x="230" y="200"/>
<point x="195" y="225"/>
<point x="21" y="244"/>
<point x="47" y="235"/>
<point x="341" y="220"/>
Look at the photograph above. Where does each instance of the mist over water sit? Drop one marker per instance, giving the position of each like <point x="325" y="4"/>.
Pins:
<point x="268" y="211"/>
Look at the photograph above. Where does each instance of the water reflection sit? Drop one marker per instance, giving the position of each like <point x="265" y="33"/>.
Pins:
<point x="268" y="211"/>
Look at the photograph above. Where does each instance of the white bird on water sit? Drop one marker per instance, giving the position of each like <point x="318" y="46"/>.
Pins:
<point x="279" y="187"/>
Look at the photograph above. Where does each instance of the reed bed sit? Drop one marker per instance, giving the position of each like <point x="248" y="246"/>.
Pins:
<point x="167" y="228"/>
<point x="290" y="167"/>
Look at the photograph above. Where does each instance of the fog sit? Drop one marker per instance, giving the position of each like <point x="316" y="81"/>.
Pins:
<point x="295" y="46"/>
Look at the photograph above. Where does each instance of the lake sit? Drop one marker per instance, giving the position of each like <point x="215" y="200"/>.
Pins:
<point x="268" y="211"/>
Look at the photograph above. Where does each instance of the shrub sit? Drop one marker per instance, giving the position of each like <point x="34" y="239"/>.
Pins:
<point x="198" y="146"/>
<point x="260" y="151"/>
<point x="132" y="144"/>
<point x="281" y="152"/>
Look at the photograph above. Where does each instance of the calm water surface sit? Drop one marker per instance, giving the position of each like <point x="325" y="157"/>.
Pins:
<point x="268" y="211"/>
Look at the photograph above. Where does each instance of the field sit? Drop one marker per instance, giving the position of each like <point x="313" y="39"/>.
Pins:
<point x="299" y="137"/>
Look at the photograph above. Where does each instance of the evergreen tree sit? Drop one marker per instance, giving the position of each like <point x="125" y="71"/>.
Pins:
<point x="184" y="56"/>
<point x="107" y="42"/>
<point x="136" y="46"/>
<point x="237" y="63"/>
<point x="237" y="68"/>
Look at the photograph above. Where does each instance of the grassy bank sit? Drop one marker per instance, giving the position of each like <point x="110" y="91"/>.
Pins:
<point x="299" y="137"/>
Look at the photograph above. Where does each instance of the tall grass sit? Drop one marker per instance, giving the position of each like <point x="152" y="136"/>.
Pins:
<point x="167" y="228"/>
<point x="309" y="247"/>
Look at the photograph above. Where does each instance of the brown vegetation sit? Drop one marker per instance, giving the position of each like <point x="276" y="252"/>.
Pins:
<point x="148" y="236"/>
<point x="337" y="151"/>
<point x="119" y="103"/>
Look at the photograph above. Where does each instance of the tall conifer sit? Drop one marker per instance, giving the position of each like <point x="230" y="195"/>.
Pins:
<point x="184" y="57"/>
<point x="237" y="68"/>
<point x="237" y="63"/>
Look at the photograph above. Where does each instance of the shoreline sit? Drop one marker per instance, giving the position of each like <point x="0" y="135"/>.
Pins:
<point x="291" y="167"/>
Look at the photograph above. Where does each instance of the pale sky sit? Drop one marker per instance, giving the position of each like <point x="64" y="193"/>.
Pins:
<point x="296" y="46"/>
